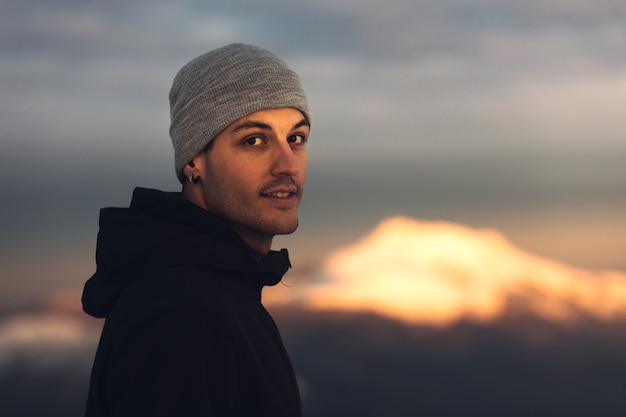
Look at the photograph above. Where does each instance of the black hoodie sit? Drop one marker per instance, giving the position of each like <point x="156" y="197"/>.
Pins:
<point x="185" y="332"/>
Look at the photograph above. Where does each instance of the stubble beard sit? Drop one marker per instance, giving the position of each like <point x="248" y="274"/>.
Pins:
<point x="277" y="224"/>
<point x="242" y="210"/>
<point x="273" y="224"/>
<point x="243" y="214"/>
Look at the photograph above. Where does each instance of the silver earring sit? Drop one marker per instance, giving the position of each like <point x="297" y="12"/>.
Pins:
<point x="191" y="180"/>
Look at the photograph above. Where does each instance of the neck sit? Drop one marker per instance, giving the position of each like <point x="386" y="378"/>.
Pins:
<point x="193" y="194"/>
<point x="259" y="242"/>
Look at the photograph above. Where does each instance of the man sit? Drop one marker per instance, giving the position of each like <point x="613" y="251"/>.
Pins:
<point x="179" y="275"/>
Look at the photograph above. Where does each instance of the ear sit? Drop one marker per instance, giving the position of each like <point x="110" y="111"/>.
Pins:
<point x="195" y="167"/>
<point x="195" y="170"/>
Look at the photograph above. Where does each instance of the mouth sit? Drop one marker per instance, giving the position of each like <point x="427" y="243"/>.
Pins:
<point x="284" y="197"/>
<point x="284" y="193"/>
<point x="279" y="194"/>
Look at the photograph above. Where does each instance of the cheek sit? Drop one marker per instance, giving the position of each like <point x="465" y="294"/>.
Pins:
<point x="239" y="179"/>
<point x="303" y="164"/>
<point x="217" y="180"/>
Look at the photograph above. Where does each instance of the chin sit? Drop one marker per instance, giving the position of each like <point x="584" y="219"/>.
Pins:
<point x="287" y="230"/>
<point x="283" y="228"/>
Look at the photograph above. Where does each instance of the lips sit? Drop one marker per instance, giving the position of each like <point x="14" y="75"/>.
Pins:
<point x="279" y="194"/>
<point x="283" y="189"/>
<point x="283" y="196"/>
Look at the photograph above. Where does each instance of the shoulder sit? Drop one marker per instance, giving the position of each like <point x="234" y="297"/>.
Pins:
<point x="179" y="287"/>
<point x="180" y="317"/>
<point x="192" y="295"/>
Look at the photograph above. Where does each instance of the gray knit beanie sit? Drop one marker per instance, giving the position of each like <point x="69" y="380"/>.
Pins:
<point x="217" y="88"/>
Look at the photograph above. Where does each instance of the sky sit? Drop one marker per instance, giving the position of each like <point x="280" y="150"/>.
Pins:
<point x="503" y="115"/>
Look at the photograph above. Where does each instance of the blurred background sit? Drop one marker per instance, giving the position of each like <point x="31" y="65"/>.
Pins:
<point x="463" y="231"/>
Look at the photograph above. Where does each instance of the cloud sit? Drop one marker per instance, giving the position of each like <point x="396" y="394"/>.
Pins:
<point x="45" y="340"/>
<point x="439" y="273"/>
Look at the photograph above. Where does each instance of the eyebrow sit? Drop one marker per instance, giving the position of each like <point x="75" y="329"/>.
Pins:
<point x="251" y="124"/>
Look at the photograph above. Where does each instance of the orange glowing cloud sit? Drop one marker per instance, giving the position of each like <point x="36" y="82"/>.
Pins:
<point x="437" y="273"/>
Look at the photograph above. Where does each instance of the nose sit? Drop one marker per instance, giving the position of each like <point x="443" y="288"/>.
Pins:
<point x="285" y="161"/>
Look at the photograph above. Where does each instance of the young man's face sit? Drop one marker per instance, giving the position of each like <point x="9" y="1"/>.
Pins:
<point x="254" y="172"/>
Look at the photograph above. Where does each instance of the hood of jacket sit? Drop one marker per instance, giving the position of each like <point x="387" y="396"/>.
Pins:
<point x="160" y="230"/>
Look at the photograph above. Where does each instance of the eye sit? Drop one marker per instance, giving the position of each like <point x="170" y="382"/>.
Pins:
<point x="297" y="138"/>
<point x="253" y="141"/>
